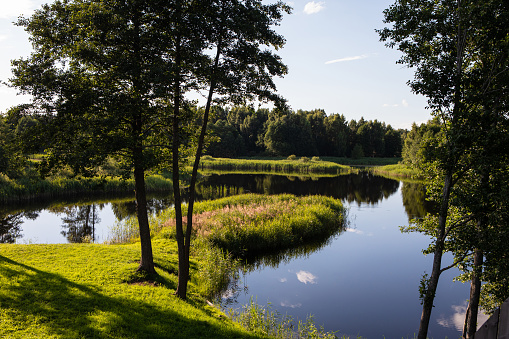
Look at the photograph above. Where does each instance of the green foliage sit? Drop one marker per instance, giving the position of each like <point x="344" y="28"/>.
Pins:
<point x="459" y="52"/>
<point x="279" y="166"/>
<point x="81" y="291"/>
<point x="261" y="319"/>
<point x="357" y="152"/>
<point x="31" y="188"/>
<point x="396" y="170"/>
<point x="251" y="224"/>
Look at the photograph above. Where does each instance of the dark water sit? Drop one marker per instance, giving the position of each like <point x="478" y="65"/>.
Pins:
<point x="363" y="282"/>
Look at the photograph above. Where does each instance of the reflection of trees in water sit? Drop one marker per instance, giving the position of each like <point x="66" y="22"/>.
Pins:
<point x="79" y="222"/>
<point x="414" y="200"/>
<point x="10" y="225"/>
<point x="361" y="188"/>
<point x="125" y="209"/>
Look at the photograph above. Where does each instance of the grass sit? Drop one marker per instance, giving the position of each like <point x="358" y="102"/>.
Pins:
<point x="91" y="290"/>
<point x="82" y="291"/>
<point x="278" y="165"/>
<point x="364" y="161"/>
<point x="397" y="171"/>
<point x="250" y="224"/>
<point x="29" y="188"/>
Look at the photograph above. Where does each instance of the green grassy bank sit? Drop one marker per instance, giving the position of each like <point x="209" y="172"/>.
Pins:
<point x="29" y="188"/>
<point x="83" y="291"/>
<point x="397" y="171"/>
<point x="274" y="165"/>
<point x="91" y="290"/>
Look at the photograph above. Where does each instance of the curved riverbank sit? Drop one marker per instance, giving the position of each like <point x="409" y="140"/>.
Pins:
<point x="91" y="290"/>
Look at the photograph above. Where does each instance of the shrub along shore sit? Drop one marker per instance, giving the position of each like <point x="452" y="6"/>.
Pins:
<point x="26" y="189"/>
<point x="32" y="187"/>
<point x="302" y="165"/>
<point x="91" y="290"/>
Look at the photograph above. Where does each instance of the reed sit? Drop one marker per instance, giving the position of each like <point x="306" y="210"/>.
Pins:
<point x="250" y="224"/>
<point x="397" y="171"/>
<point x="303" y="165"/>
<point x="263" y="320"/>
<point x="29" y="188"/>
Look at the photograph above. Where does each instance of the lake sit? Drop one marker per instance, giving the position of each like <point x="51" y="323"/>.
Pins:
<point x="363" y="282"/>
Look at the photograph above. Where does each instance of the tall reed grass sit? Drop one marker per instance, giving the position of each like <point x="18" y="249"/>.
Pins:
<point x="303" y="165"/>
<point x="263" y="320"/>
<point x="29" y="188"/>
<point x="253" y="223"/>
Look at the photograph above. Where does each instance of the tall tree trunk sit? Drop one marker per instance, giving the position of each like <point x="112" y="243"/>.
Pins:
<point x="147" y="260"/>
<point x="475" y="293"/>
<point x="183" y="265"/>
<point x="432" y="283"/>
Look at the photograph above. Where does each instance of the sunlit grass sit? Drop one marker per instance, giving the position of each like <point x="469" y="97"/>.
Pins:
<point x="82" y="291"/>
<point x="396" y="171"/>
<point x="249" y="224"/>
<point x="27" y="188"/>
<point x="298" y="165"/>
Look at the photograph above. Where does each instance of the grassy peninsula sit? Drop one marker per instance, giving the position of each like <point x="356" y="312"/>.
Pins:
<point x="92" y="290"/>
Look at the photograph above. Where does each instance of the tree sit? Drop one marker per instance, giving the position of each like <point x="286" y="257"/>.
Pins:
<point x="457" y="48"/>
<point x="238" y="71"/>
<point x="289" y="134"/>
<point x="230" y="143"/>
<point x="337" y="135"/>
<point x="100" y="76"/>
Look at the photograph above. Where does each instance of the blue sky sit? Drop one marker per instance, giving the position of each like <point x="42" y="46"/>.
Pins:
<point x="335" y="60"/>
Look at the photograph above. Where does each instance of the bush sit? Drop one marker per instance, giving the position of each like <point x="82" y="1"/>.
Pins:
<point x="292" y="157"/>
<point x="316" y="159"/>
<point x="304" y="159"/>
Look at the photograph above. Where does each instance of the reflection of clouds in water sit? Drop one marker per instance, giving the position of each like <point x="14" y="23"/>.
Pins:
<point x="356" y="231"/>
<point x="230" y="293"/>
<point x="457" y="320"/>
<point x="282" y="280"/>
<point x="306" y="277"/>
<point x="288" y="304"/>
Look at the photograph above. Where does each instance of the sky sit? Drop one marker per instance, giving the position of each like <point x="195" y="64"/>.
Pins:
<point x="335" y="59"/>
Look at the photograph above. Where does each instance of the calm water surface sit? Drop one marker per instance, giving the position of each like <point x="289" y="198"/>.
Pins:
<point x="363" y="282"/>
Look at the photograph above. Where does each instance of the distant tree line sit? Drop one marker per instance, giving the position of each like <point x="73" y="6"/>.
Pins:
<point x="246" y="131"/>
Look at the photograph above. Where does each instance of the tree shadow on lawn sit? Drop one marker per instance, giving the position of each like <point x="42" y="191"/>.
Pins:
<point x="55" y="306"/>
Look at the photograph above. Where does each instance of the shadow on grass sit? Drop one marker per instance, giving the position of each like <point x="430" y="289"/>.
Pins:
<point x="55" y="306"/>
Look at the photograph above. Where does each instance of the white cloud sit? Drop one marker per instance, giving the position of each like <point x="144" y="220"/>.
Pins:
<point x="404" y="103"/>
<point x="282" y="280"/>
<point x="287" y="304"/>
<point x="306" y="277"/>
<point x="314" y="7"/>
<point x="352" y="58"/>
<point x="456" y="320"/>
<point x="13" y="9"/>
<point x="356" y="231"/>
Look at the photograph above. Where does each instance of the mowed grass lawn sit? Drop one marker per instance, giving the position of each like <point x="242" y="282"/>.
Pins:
<point x="86" y="291"/>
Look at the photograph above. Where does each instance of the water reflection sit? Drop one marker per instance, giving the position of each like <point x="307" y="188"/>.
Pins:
<point x="79" y="223"/>
<point x="414" y="200"/>
<point x="125" y="209"/>
<point x="10" y="225"/>
<point x="361" y="188"/>
<point x="83" y="217"/>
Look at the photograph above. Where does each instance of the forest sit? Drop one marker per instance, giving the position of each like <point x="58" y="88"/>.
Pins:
<point x="246" y="131"/>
